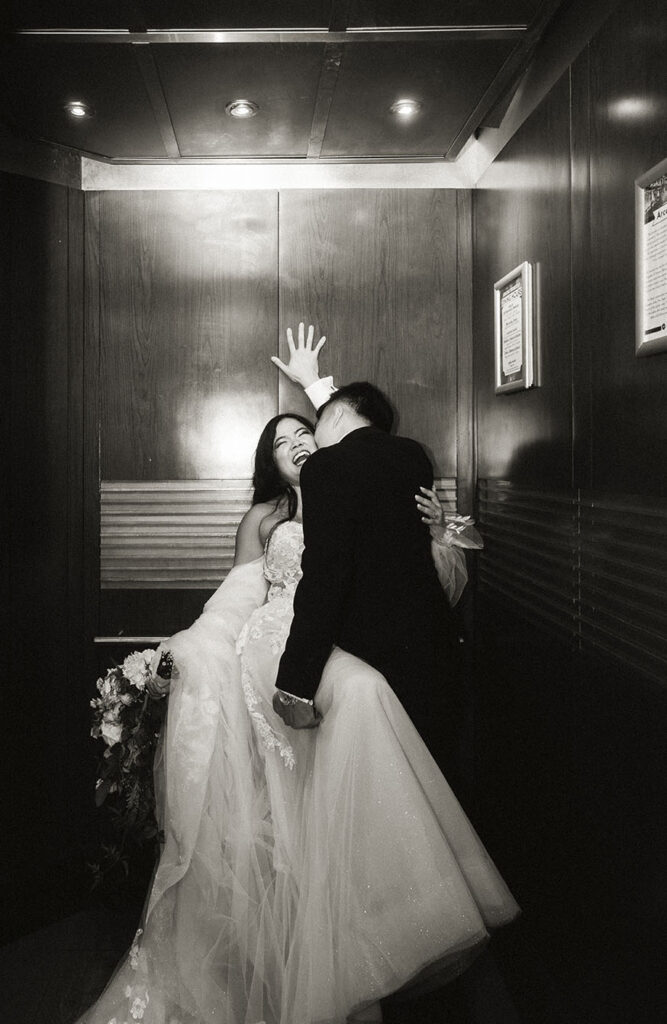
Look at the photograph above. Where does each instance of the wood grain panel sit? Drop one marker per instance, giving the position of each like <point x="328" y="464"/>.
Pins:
<point x="465" y="424"/>
<point x="583" y="324"/>
<point x="41" y="515"/>
<point x="628" y="103"/>
<point x="81" y="662"/>
<point x="188" y="298"/>
<point x="522" y="212"/>
<point x="6" y="516"/>
<point x="149" y="612"/>
<point x="376" y="272"/>
<point x="579" y="699"/>
<point x="91" y="418"/>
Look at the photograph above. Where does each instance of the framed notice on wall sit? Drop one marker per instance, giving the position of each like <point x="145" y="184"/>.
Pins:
<point x="651" y="260"/>
<point x="514" y="330"/>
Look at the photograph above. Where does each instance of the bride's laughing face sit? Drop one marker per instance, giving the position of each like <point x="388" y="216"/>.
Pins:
<point x="292" y="445"/>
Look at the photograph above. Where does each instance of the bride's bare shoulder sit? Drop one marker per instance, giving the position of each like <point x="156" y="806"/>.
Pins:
<point x="253" y="530"/>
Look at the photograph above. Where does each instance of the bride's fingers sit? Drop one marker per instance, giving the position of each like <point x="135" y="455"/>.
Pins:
<point x="290" y="340"/>
<point x="311" y="334"/>
<point x="320" y="344"/>
<point x="427" y="502"/>
<point x="301" y="334"/>
<point x="280" y="364"/>
<point x="431" y="511"/>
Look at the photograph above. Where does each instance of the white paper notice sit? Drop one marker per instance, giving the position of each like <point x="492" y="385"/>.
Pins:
<point x="655" y="260"/>
<point x="511" y="333"/>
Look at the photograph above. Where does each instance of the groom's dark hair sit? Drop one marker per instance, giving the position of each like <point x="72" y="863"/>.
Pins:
<point x="367" y="401"/>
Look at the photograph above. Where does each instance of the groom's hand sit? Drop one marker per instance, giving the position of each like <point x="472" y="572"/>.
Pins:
<point x="303" y="366"/>
<point x="295" y="713"/>
<point x="158" y="684"/>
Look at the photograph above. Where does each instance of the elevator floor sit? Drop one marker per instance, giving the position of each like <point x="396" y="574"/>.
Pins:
<point x="53" y="974"/>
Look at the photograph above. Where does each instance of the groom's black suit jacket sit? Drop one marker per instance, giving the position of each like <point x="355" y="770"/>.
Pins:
<point x="369" y="584"/>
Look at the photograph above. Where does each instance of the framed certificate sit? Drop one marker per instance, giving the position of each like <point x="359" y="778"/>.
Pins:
<point x="514" y="318"/>
<point x="651" y="261"/>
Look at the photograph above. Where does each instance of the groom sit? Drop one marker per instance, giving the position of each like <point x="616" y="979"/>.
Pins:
<point x="369" y="585"/>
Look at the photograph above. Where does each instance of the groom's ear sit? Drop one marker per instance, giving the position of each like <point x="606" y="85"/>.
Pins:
<point x="338" y="413"/>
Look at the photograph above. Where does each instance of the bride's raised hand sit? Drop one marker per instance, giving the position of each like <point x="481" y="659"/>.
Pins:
<point x="303" y="365"/>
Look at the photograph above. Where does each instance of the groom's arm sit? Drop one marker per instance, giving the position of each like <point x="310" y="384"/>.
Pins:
<point x="320" y="598"/>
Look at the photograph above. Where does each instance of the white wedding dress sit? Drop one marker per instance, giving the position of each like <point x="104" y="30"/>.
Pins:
<point x="305" y="874"/>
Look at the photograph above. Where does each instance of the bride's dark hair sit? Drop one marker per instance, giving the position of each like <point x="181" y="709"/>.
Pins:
<point x="267" y="481"/>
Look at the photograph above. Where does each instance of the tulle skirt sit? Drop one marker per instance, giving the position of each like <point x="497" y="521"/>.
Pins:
<point x="305" y="874"/>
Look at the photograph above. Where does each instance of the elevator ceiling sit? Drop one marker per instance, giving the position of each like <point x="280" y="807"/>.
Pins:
<point x="156" y="77"/>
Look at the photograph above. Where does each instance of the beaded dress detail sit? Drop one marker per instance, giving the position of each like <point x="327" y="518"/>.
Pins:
<point x="266" y="632"/>
<point x="282" y="559"/>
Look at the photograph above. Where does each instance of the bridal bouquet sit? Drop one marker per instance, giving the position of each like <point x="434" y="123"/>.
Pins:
<point x="128" y="722"/>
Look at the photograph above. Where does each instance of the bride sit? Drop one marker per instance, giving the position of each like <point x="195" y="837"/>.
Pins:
<point x="305" y="874"/>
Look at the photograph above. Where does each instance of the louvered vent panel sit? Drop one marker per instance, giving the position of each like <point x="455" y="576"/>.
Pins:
<point x="529" y="554"/>
<point x="179" y="534"/>
<point x="446" y="491"/>
<point x="623" y="545"/>
<point x="169" y="534"/>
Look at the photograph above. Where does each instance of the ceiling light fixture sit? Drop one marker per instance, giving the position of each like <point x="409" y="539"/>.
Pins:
<point x="76" y="108"/>
<point x="241" y="108"/>
<point x="405" y="108"/>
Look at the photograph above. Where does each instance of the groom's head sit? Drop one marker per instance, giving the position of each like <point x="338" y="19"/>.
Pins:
<point x="355" y="405"/>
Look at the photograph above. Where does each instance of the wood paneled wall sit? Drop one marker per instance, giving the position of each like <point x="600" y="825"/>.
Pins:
<point x="572" y="585"/>
<point x="139" y="329"/>
<point x="188" y="299"/>
<point x="45" y="663"/>
<point x="376" y="270"/>
<point x="189" y="294"/>
<point x="522" y="212"/>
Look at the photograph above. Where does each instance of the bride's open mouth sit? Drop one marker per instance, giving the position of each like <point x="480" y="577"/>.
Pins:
<point x="300" y="458"/>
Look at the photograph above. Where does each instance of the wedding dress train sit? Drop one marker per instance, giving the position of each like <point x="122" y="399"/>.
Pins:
<point x="305" y="874"/>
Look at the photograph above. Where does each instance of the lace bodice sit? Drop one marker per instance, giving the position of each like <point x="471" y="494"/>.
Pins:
<point x="282" y="559"/>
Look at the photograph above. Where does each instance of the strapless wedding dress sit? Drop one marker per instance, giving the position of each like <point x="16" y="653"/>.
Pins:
<point x="305" y="874"/>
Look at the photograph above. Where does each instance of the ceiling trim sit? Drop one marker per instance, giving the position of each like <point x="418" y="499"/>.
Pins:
<point x="31" y="158"/>
<point x="158" y="102"/>
<point x="572" y="28"/>
<point x="326" y="87"/>
<point x="102" y="176"/>
<point x="425" y="33"/>
<point x="515" y="64"/>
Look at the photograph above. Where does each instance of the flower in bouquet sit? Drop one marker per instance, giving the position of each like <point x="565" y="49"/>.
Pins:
<point x="128" y="721"/>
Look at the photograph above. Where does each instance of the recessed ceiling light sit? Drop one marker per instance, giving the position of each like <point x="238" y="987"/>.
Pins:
<point x="405" y="108"/>
<point x="76" y="108"/>
<point x="241" y="108"/>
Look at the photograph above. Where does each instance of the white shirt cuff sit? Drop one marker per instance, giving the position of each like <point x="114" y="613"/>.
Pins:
<point x="320" y="391"/>
<point x="301" y="700"/>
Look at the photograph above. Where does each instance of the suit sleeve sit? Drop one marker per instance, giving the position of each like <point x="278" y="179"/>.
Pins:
<point x="319" y="602"/>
